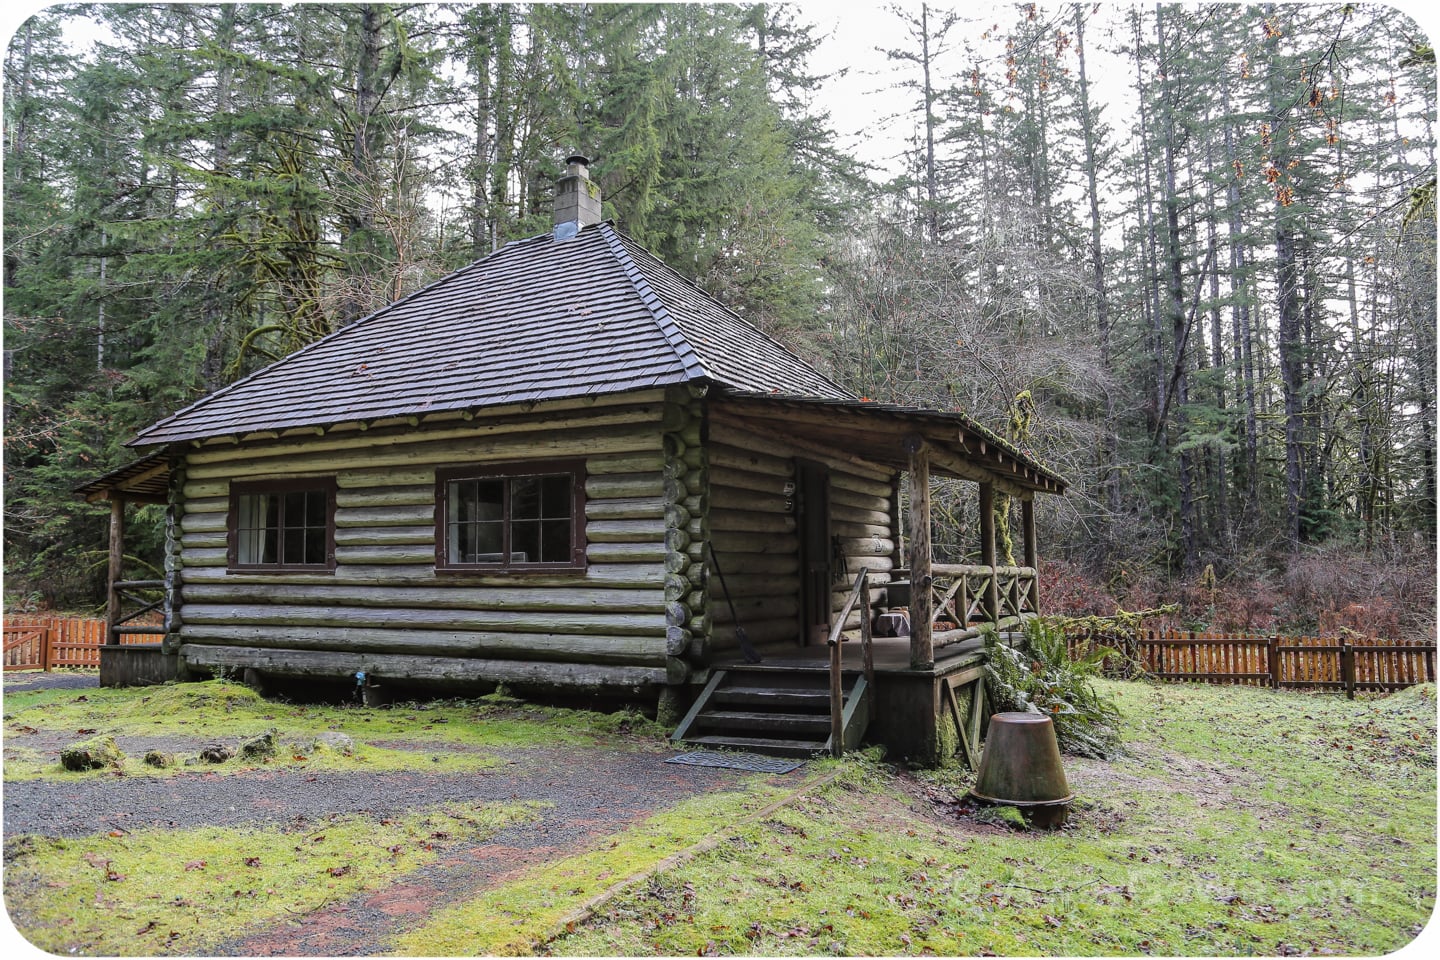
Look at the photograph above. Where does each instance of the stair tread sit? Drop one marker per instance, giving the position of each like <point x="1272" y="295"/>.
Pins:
<point x="778" y="723"/>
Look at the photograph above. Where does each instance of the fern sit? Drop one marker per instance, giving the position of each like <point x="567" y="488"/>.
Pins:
<point x="1042" y="678"/>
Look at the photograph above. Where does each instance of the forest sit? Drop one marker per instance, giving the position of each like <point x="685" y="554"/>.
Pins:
<point x="1184" y="255"/>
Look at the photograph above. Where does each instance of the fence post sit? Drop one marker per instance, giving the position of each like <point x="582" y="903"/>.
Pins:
<point x="45" y="647"/>
<point x="1272" y="660"/>
<point x="1347" y="667"/>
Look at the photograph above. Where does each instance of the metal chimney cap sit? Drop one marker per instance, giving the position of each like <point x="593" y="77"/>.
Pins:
<point x="575" y="161"/>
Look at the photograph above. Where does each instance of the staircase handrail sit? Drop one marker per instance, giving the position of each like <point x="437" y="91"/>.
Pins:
<point x="836" y="638"/>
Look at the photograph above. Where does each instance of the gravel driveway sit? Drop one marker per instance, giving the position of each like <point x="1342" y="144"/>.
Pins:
<point x="593" y="793"/>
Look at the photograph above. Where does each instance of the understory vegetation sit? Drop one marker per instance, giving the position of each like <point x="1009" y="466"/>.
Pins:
<point x="1237" y="821"/>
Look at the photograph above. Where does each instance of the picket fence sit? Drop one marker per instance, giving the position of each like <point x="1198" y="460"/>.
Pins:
<point x="1334" y="663"/>
<point x="43" y="643"/>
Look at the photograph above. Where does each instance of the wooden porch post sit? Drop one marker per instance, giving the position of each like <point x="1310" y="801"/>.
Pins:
<point x="1032" y="549"/>
<point x="117" y="556"/>
<point x="922" y="645"/>
<point x="987" y="550"/>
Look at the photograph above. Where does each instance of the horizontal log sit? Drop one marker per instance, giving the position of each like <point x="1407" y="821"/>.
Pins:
<point x="571" y="597"/>
<point x="359" y="478"/>
<point x="197" y="541"/>
<point x="879" y="566"/>
<point x="784" y="564"/>
<point x="867" y="547"/>
<point x="626" y="553"/>
<point x="742" y="582"/>
<point x="620" y="575"/>
<point x="386" y="536"/>
<point x="723" y="636"/>
<point x="737" y="521"/>
<point x="650" y="461"/>
<point x="857" y="530"/>
<point x="743" y="456"/>
<point x="853" y="515"/>
<point x="627" y="508"/>
<point x="624" y="485"/>
<point x="399" y="667"/>
<point x="545" y="647"/>
<point x="977" y="569"/>
<point x="842" y="498"/>
<point x="393" y="516"/>
<point x="753" y="609"/>
<point x="202" y="522"/>
<point x="739" y="479"/>
<point x="625" y="531"/>
<point x="538" y="445"/>
<point x="468" y="433"/>
<point x="385" y="554"/>
<point x="727" y="498"/>
<point x="729" y="542"/>
<point x="419" y="618"/>
<point x="414" y="494"/>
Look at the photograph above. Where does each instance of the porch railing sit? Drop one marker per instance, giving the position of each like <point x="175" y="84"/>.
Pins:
<point x="139" y="595"/>
<point x="861" y="593"/>
<point x="968" y="596"/>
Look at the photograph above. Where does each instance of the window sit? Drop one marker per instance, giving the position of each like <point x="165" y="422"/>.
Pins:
<point x="282" y="525"/>
<point x="524" y="516"/>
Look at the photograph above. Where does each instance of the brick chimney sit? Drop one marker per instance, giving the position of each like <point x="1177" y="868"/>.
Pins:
<point x="577" y="199"/>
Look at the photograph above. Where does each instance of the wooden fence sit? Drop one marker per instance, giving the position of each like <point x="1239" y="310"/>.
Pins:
<point x="42" y="643"/>
<point x="1269" y="661"/>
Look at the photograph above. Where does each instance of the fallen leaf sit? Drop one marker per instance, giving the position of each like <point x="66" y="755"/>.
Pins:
<point x="252" y="861"/>
<point x="195" y="865"/>
<point x="339" y="871"/>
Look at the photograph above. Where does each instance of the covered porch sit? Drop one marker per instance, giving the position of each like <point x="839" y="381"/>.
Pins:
<point x="921" y="683"/>
<point x="134" y="651"/>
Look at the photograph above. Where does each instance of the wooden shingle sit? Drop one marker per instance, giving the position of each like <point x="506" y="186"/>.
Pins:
<point x="540" y="319"/>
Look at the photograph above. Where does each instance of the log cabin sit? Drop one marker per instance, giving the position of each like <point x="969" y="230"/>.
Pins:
<point x="566" y="467"/>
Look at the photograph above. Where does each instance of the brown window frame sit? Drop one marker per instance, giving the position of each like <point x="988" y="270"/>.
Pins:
<point x="243" y="488"/>
<point x="574" y="469"/>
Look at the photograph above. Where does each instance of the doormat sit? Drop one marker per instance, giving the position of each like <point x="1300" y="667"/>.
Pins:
<point x="737" y="761"/>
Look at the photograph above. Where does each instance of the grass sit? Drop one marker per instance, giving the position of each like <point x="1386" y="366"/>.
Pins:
<point x="129" y="894"/>
<point x="387" y="739"/>
<point x="1239" y="821"/>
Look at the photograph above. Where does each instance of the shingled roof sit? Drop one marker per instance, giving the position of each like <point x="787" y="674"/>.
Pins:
<point x="540" y="319"/>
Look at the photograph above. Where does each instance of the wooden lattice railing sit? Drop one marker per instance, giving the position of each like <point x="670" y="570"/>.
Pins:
<point x="968" y="595"/>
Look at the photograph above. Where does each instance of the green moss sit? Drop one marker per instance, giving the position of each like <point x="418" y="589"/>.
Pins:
<point x="415" y="735"/>
<point x="183" y="892"/>
<point x="518" y="916"/>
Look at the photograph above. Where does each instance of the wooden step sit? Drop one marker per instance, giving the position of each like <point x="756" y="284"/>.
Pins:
<point x="775" y="747"/>
<point x="778" y="723"/>
<point x="773" y="697"/>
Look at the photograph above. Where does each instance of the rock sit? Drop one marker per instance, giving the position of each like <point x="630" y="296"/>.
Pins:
<point x="159" y="759"/>
<point x="334" y="740"/>
<point x="216" y="753"/>
<point x="258" y="748"/>
<point x="96" y="753"/>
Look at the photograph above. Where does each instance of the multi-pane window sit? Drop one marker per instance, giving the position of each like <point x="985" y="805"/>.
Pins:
<point x="287" y="525"/>
<point x="525" y="516"/>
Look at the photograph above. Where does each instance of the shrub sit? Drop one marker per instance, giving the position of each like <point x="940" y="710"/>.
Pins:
<point x="1042" y="678"/>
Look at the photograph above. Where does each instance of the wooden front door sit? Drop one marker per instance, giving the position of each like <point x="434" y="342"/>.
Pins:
<point x="812" y="523"/>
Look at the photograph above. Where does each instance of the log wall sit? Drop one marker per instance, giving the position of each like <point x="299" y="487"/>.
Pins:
<point x="622" y="622"/>
<point x="753" y="528"/>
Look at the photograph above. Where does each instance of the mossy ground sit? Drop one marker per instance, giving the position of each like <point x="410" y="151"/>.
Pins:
<point x="1240" y="821"/>
<point x="182" y="892"/>
<point x="387" y="739"/>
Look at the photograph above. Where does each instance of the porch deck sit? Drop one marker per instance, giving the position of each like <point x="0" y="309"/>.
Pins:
<point x="891" y="656"/>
